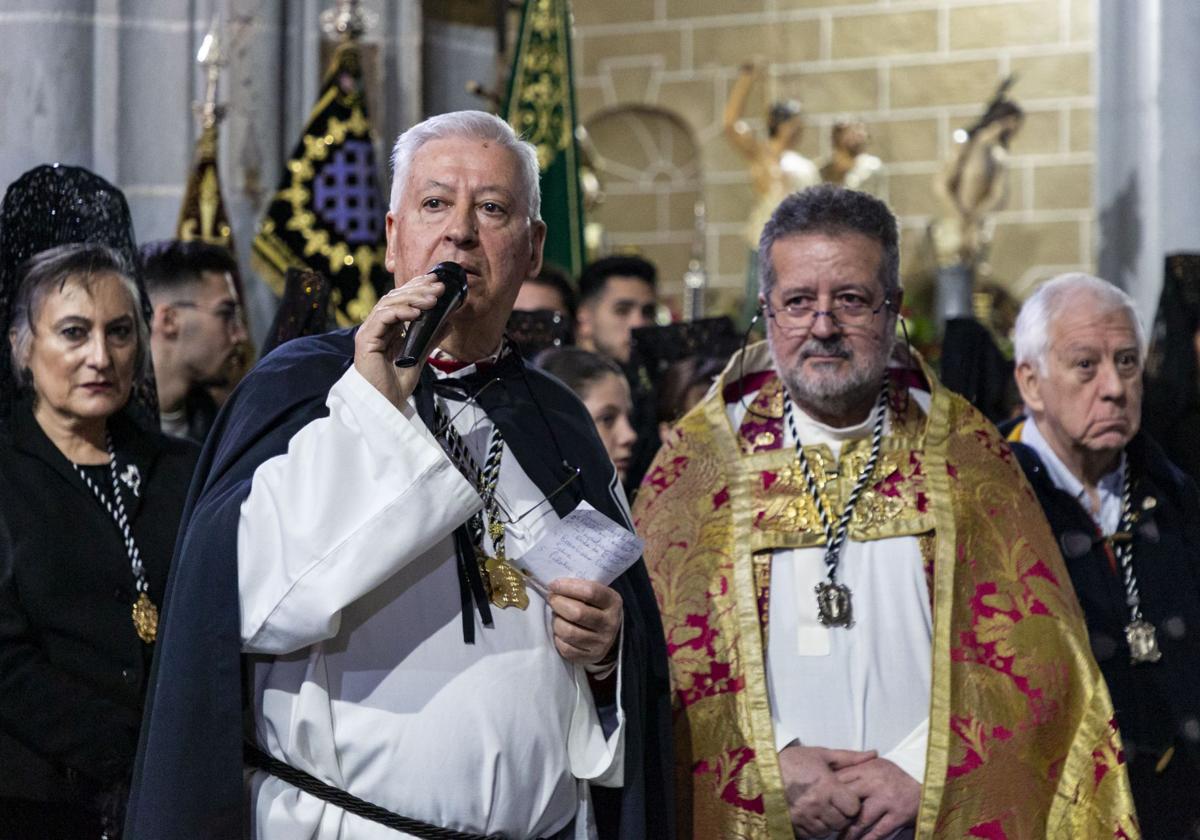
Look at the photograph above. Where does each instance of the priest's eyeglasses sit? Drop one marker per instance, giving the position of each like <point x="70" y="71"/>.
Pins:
<point x="849" y="311"/>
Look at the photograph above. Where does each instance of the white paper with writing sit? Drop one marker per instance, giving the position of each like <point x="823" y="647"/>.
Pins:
<point x="584" y="544"/>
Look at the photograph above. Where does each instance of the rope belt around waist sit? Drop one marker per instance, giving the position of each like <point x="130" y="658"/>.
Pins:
<point x="260" y="760"/>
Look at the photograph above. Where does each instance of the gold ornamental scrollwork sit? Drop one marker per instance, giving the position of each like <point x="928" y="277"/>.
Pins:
<point x="892" y="504"/>
<point x="537" y="111"/>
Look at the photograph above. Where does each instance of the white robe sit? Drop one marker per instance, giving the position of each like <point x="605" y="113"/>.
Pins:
<point x="862" y="688"/>
<point x="349" y="598"/>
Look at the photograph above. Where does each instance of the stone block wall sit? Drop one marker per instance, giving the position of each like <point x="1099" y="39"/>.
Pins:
<point x="914" y="70"/>
<point x="109" y="85"/>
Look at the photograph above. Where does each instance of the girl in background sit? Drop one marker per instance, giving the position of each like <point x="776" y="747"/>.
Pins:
<point x="605" y="393"/>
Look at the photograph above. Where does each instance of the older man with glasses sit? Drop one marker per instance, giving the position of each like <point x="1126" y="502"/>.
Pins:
<point x="871" y="630"/>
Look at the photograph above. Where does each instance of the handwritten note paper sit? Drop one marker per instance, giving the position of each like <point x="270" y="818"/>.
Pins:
<point x="584" y="544"/>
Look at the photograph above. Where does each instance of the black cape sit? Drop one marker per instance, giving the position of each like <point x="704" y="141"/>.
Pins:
<point x="188" y="777"/>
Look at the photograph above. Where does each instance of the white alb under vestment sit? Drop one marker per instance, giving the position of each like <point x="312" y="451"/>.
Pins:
<point x="350" y="600"/>
<point x="860" y="688"/>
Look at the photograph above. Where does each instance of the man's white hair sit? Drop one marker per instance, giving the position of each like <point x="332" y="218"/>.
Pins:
<point x="476" y="125"/>
<point x="1031" y="338"/>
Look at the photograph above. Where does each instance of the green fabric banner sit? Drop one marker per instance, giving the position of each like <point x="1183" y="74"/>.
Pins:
<point x="540" y="106"/>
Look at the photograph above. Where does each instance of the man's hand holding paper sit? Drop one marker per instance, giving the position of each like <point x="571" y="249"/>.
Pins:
<point x="572" y="567"/>
<point x="587" y="619"/>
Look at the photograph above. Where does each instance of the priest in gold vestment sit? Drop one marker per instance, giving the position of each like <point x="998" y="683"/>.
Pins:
<point x="871" y="630"/>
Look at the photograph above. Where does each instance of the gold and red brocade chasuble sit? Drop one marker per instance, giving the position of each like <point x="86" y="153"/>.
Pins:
<point x="1022" y="737"/>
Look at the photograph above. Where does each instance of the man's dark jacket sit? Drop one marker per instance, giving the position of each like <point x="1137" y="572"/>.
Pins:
<point x="1157" y="704"/>
<point x="188" y="777"/>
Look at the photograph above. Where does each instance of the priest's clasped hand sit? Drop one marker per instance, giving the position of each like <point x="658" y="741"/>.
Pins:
<point x="818" y="803"/>
<point x="890" y="798"/>
<point x="587" y="619"/>
<point x="381" y="336"/>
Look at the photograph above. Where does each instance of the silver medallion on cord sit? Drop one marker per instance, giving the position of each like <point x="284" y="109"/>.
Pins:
<point x="1143" y="641"/>
<point x="835" y="607"/>
<point x="1140" y="634"/>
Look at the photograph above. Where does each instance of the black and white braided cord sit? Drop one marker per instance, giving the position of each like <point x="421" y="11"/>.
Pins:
<point x="455" y="446"/>
<point x="486" y="479"/>
<point x="1124" y="548"/>
<point x="116" y="509"/>
<point x="835" y="539"/>
<point x="491" y="470"/>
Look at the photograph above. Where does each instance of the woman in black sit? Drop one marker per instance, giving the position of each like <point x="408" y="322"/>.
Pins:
<point x="90" y="502"/>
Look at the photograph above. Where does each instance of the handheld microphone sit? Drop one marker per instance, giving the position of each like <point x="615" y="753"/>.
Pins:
<point x="422" y="330"/>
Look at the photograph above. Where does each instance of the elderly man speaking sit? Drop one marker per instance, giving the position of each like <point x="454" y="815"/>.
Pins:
<point x="1128" y="522"/>
<point x="357" y="533"/>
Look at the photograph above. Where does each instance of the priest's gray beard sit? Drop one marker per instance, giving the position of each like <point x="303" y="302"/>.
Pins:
<point x="835" y="393"/>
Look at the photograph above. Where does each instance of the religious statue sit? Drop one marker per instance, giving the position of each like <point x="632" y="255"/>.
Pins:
<point x="972" y="184"/>
<point x="776" y="168"/>
<point x="975" y="181"/>
<point x="849" y="165"/>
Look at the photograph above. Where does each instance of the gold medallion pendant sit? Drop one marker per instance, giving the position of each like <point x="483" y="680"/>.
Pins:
<point x="145" y="618"/>
<point x="507" y="585"/>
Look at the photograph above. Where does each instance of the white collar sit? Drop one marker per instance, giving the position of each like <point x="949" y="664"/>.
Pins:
<point x="1111" y="483"/>
<point x="438" y="353"/>
<point x="814" y="432"/>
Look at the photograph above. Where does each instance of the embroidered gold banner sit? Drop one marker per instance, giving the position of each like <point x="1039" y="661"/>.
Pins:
<point x="327" y="214"/>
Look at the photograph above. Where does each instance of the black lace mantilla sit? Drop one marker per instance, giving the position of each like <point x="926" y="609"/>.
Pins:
<point x="52" y="205"/>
